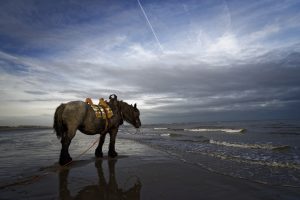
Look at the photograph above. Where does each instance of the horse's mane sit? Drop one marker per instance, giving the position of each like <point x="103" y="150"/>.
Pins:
<point x="125" y="105"/>
<point x="121" y="103"/>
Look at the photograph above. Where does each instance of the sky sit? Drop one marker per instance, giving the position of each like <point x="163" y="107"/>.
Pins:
<point x="179" y="60"/>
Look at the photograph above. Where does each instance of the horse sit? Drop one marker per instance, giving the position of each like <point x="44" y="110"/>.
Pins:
<point x="78" y="115"/>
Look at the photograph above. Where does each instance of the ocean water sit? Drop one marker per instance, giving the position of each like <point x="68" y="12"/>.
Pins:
<point x="260" y="151"/>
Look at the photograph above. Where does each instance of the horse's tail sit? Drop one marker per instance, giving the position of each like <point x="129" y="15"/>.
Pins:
<point x="58" y="125"/>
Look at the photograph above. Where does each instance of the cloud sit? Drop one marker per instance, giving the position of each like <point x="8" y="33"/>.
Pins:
<point x="36" y="92"/>
<point x="227" y="60"/>
<point x="227" y="43"/>
<point x="166" y="90"/>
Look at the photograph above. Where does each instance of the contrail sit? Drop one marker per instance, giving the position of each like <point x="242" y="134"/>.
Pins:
<point x="157" y="40"/>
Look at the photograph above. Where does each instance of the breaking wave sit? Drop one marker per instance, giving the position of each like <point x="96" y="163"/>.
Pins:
<point x="239" y="159"/>
<point x="251" y="146"/>
<point x="227" y="130"/>
<point x="160" y="128"/>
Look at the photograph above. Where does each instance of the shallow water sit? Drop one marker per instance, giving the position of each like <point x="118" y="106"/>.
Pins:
<point x="262" y="151"/>
<point x="28" y="151"/>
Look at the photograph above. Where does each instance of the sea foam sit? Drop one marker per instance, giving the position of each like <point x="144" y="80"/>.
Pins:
<point x="250" y="146"/>
<point x="227" y="130"/>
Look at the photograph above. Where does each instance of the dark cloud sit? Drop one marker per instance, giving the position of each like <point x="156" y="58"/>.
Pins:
<point x="219" y="60"/>
<point x="269" y="86"/>
<point x="36" y="92"/>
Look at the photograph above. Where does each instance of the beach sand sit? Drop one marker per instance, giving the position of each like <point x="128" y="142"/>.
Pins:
<point x="140" y="172"/>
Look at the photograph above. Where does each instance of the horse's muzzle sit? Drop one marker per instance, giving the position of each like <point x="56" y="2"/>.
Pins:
<point x="137" y="124"/>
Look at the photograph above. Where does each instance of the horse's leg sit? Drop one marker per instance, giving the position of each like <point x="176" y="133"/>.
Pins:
<point x="111" y="151"/>
<point x="65" y="143"/>
<point x="98" y="151"/>
<point x="64" y="153"/>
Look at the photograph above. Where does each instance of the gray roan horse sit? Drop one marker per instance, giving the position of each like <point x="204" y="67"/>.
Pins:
<point x="79" y="115"/>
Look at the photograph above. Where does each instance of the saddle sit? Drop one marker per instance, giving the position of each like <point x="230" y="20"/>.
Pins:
<point x="102" y="110"/>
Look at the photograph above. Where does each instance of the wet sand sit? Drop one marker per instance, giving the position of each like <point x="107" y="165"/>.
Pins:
<point x="140" y="172"/>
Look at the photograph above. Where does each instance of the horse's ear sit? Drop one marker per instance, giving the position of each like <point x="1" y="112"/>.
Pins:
<point x="135" y="105"/>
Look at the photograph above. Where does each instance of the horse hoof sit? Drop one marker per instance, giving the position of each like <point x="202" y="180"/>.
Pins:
<point x="65" y="161"/>
<point x="99" y="154"/>
<point x="112" y="154"/>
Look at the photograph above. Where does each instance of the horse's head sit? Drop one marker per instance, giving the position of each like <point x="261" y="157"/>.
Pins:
<point x="131" y="114"/>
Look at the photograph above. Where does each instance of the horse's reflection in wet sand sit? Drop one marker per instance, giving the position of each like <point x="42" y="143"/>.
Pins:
<point x="104" y="190"/>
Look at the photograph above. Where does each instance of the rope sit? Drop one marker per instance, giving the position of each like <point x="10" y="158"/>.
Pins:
<point x="95" y="142"/>
<point x="35" y="178"/>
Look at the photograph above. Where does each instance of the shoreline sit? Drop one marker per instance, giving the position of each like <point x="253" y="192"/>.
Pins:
<point x="141" y="172"/>
<point x="14" y="128"/>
